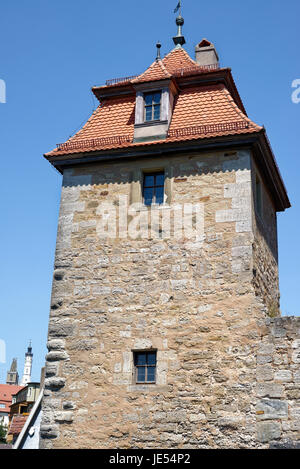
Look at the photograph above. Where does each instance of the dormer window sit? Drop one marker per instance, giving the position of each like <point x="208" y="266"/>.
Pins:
<point x="152" y="106"/>
<point x="153" y="110"/>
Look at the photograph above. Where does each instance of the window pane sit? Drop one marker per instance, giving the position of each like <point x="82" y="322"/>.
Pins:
<point x="148" y="98"/>
<point x="151" y="373"/>
<point x="159" y="195"/>
<point x="140" y="359"/>
<point x="141" y="375"/>
<point x="149" y="113"/>
<point x="148" y="196"/>
<point x="151" y="358"/>
<point x="160" y="180"/>
<point x="156" y="112"/>
<point x="156" y="98"/>
<point x="149" y="181"/>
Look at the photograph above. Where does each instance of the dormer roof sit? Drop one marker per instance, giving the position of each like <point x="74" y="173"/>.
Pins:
<point x="156" y="71"/>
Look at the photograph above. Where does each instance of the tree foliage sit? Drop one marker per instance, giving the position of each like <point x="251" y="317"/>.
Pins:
<point x="2" y="433"/>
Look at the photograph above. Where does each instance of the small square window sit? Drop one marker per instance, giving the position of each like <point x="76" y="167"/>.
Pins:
<point x="153" y="188"/>
<point x="152" y="102"/>
<point x="145" y="367"/>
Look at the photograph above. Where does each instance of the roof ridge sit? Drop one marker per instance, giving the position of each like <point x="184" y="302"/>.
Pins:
<point x="164" y="68"/>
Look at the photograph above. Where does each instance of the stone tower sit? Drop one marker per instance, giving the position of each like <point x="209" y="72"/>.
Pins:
<point x="27" y="366"/>
<point x="166" y="268"/>
<point x="12" y="374"/>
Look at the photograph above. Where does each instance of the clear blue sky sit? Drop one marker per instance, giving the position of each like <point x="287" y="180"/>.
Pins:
<point x="52" y="52"/>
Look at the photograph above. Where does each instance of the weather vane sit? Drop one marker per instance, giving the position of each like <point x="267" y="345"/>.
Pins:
<point x="178" y="8"/>
<point x="179" y="40"/>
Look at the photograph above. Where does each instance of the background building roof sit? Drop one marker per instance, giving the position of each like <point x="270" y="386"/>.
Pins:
<point x="6" y="393"/>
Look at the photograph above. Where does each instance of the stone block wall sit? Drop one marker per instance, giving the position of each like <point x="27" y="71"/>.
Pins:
<point x="278" y="383"/>
<point x="192" y="300"/>
<point x="265" y="250"/>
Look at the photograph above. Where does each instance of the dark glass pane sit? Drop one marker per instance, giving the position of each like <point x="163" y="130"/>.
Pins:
<point x="151" y="358"/>
<point x="151" y="373"/>
<point x="141" y="375"/>
<point x="156" y="98"/>
<point x="156" y="112"/>
<point x="140" y="359"/>
<point x="149" y="181"/>
<point x="148" y="98"/>
<point x="149" y="113"/>
<point x="160" y="180"/>
<point x="159" y="195"/>
<point x="148" y="196"/>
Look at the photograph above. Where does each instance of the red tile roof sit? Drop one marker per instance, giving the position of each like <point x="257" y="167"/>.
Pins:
<point x="199" y="112"/>
<point x="6" y="393"/>
<point x="17" y="424"/>
<point x="156" y="71"/>
<point x="210" y="109"/>
<point x="174" y="62"/>
<point x="113" y="117"/>
<point x="209" y="105"/>
<point x="178" y="59"/>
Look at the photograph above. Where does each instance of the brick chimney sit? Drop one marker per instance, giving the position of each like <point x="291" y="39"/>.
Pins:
<point x="206" y="53"/>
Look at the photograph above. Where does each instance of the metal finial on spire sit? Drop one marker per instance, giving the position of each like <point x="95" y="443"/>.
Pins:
<point x="179" y="40"/>
<point x="29" y="349"/>
<point x="158" y="46"/>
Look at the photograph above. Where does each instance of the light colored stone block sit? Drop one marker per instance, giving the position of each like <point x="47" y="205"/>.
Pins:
<point x="268" y="431"/>
<point x="268" y="409"/>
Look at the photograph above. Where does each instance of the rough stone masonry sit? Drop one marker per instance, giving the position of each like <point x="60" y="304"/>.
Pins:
<point x="228" y="367"/>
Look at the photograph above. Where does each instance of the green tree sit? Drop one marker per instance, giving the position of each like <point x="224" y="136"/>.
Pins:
<point x="2" y="433"/>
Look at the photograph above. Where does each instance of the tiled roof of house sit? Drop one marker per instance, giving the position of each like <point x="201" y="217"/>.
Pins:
<point x="6" y="393"/>
<point x="178" y="59"/>
<point x="156" y="71"/>
<point x="210" y="106"/>
<point x="172" y="64"/>
<point x="17" y="424"/>
<point x="199" y="112"/>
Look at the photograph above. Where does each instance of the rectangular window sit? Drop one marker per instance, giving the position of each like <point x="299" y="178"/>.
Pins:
<point x="152" y="106"/>
<point x="153" y="188"/>
<point x="258" y="196"/>
<point x="145" y="367"/>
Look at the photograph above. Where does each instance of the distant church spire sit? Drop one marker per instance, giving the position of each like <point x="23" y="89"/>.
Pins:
<point x="27" y="366"/>
<point x="12" y="374"/>
<point x="179" y="40"/>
